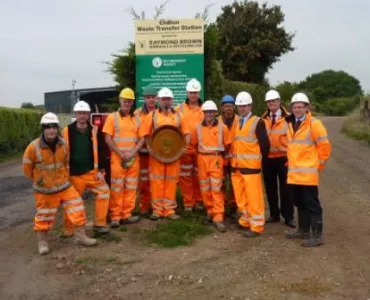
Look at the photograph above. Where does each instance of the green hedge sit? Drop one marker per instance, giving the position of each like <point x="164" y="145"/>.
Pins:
<point x="18" y="127"/>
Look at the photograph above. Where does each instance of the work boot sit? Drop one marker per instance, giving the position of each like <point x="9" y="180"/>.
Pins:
<point x="316" y="238"/>
<point x="174" y="217"/>
<point x="303" y="230"/>
<point x="272" y="219"/>
<point x="199" y="208"/>
<point x="101" y="229"/>
<point x="188" y="211"/>
<point x="114" y="224"/>
<point x="298" y="234"/>
<point x="42" y="242"/>
<point x="130" y="220"/>
<point x="207" y="220"/>
<point x="220" y="226"/>
<point x="154" y="217"/>
<point x="290" y="223"/>
<point x="251" y="234"/>
<point x="82" y="238"/>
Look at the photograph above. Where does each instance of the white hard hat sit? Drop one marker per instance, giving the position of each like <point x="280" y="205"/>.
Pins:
<point x="243" y="98"/>
<point x="300" y="97"/>
<point x="81" y="106"/>
<point x="272" y="95"/>
<point x="193" y="86"/>
<point x="49" y="118"/>
<point x="209" y="105"/>
<point x="165" y="93"/>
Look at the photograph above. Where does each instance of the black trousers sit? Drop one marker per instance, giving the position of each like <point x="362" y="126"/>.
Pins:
<point x="274" y="171"/>
<point x="306" y="198"/>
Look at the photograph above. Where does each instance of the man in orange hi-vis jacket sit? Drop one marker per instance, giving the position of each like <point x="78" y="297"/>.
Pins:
<point x="122" y="136"/>
<point x="164" y="176"/>
<point x="212" y="140"/>
<point x="250" y="144"/>
<point x="188" y="180"/>
<point x="150" y="96"/>
<point x="86" y="165"/>
<point x="308" y="151"/>
<point x="46" y="163"/>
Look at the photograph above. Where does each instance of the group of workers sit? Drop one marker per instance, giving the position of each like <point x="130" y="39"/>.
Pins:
<point x="221" y="169"/>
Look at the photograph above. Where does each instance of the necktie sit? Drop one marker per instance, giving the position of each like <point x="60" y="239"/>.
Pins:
<point x="296" y="125"/>
<point x="273" y="120"/>
<point x="241" y="122"/>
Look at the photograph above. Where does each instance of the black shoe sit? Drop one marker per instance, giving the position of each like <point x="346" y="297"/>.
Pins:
<point x="299" y="234"/>
<point x="251" y="234"/>
<point x="273" y="220"/>
<point x="290" y="223"/>
<point x="313" y="242"/>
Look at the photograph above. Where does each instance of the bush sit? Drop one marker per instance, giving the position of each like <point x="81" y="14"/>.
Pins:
<point x="257" y="91"/>
<point x="18" y="127"/>
<point x="337" y="106"/>
<point x="355" y="128"/>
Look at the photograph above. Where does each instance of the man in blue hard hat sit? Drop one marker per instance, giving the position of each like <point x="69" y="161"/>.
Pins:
<point x="231" y="120"/>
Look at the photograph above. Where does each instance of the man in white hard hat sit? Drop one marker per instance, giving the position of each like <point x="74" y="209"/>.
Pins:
<point x="308" y="151"/>
<point x="86" y="165"/>
<point x="274" y="166"/>
<point x="46" y="163"/>
<point x="212" y="139"/>
<point x="163" y="176"/>
<point x="250" y="144"/>
<point x="188" y="181"/>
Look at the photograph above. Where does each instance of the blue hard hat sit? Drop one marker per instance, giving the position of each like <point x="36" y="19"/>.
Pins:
<point x="227" y="99"/>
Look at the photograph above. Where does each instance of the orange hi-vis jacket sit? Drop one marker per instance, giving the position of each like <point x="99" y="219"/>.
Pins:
<point x="193" y="116"/>
<point x="212" y="140"/>
<point x="245" y="149"/>
<point x="277" y="134"/>
<point x="48" y="170"/>
<point x="94" y="133"/>
<point x="231" y="133"/>
<point x="124" y="131"/>
<point x="308" y="150"/>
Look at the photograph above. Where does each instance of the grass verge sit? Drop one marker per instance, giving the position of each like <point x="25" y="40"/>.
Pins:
<point x="356" y="129"/>
<point x="176" y="233"/>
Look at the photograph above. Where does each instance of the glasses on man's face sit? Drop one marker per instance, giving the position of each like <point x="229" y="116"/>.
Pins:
<point x="299" y="107"/>
<point x="48" y="126"/>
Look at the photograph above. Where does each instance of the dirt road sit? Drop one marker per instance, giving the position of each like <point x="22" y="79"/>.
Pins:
<point x="218" y="266"/>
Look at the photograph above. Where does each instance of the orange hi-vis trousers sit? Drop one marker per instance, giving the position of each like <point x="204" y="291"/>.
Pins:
<point x="101" y="191"/>
<point x="124" y="183"/>
<point x="249" y="198"/>
<point x="189" y="181"/>
<point x="144" y="184"/>
<point x="210" y="179"/>
<point x="47" y="207"/>
<point x="163" y="181"/>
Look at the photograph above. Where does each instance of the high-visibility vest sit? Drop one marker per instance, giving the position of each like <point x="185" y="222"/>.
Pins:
<point x="303" y="151"/>
<point x="277" y="136"/>
<point x="50" y="170"/>
<point x="208" y="143"/>
<point x="245" y="149"/>
<point x="94" y="133"/>
<point x="160" y="119"/>
<point x="126" y="131"/>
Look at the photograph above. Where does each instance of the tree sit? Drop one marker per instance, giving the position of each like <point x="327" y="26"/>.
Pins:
<point x="251" y="40"/>
<point x="28" y="105"/>
<point x="331" y="84"/>
<point x="286" y="90"/>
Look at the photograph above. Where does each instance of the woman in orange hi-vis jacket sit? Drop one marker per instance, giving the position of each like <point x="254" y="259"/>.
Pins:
<point x="250" y="144"/>
<point x="188" y="180"/>
<point x="164" y="177"/>
<point x="122" y="136"/>
<point x="150" y="97"/>
<point x="45" y="162"/>
<point x="308" y="151"/>
<point x="212" y="139"/>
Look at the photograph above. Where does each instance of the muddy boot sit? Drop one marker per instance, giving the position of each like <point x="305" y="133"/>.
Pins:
<point x="82" y="238"/>
<point x="154" y="217"/>
<point x="131" y="220"/>
<point x="303" y="230"/>
<point x="188" y="211"/>
<point x="251" y="234"/>
<point x="220" y="226"/>
<point x="101" y="229"/>
<point x="114" y="224"/>
<point x="316" y="238"/>
<point x="173" y="217"/>
<point x="42" y="242"/>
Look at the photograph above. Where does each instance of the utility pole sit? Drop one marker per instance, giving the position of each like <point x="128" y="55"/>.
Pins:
<point x="73" y="95"/>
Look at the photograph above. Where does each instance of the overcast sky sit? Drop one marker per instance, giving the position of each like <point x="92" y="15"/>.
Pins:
<point x="44" y="44"/>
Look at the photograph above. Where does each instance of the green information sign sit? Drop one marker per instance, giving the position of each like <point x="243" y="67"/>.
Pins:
<point x="168" y="54"/>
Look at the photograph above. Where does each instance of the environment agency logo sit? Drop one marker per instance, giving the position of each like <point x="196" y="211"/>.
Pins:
<point x="157" y="62"/>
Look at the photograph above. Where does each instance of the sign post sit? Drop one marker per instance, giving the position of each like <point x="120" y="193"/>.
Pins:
<point x="168" y="54"/>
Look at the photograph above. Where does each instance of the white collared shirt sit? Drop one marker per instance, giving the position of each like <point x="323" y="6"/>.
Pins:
<point x="277" y="114"/>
